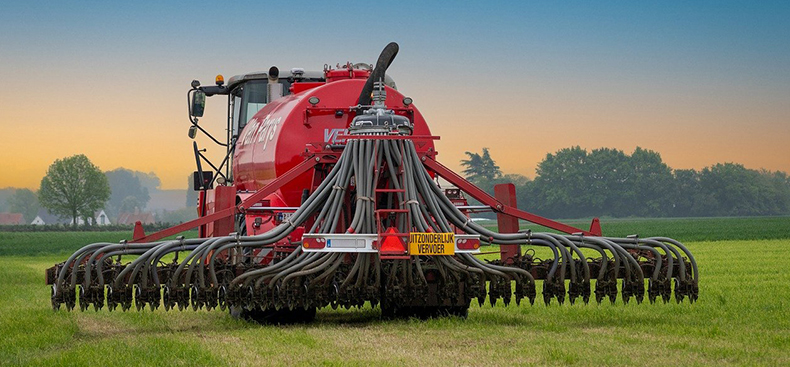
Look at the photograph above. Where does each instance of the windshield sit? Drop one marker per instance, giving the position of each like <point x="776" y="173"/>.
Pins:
<point x="253" y="98"/>
<point x="249" y="98"/>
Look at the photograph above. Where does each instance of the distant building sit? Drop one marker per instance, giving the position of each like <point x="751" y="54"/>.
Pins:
<point x="45" y="218"/>
<point x="11" y="219"/>
<point x="132" y="218"/>
<point x="99" y="218"/>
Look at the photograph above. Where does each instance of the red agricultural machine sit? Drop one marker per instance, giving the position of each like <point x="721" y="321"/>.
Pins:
<point x="330" y="195"/>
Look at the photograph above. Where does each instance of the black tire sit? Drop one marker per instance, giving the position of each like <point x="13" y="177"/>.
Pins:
<point x="275" y="317"/>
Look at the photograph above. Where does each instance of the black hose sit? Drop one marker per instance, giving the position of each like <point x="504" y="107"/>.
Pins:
<point x="384" y="62"/>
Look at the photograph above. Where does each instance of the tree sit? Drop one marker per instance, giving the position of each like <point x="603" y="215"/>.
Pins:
<point x="777" y="189"/>
<point x="610" y="183"/>
<point x="686" y="196"/>
<point x="192" y="195"/>
<point x="651" y="184"/>
<point x="148" y="180"/>
<point x="74" y="187"/>
<point x="24" y="201"/>
<point x="480" y="167"/>
<point x="5" y="193"/>
<point x="125" y="183"/>
<point x="130" y="204"/>
<point x="738" y="191"/>
<point x="560" y="183"/>
<point x="575" y="183"/>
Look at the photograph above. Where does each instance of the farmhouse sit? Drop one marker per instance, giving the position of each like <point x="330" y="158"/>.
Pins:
<point x="44" y="217"/>
<point x="11" y="219"/>
<point x="99" y="218"/>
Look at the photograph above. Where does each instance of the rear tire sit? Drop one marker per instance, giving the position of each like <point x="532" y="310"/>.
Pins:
<point x="275" y="317"/>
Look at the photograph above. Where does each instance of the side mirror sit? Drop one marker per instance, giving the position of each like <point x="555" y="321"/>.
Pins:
<point x="192" y="132"/>
<point x="198" y="103"/>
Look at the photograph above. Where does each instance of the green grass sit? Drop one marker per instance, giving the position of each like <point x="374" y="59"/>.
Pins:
<point x="741" y="318"/>
<point x="682" y="229"/>
<point x="61" y="243"/>
<point x="685" y="229"/>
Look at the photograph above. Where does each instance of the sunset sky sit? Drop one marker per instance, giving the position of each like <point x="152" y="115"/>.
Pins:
<point x="700" y="83"/>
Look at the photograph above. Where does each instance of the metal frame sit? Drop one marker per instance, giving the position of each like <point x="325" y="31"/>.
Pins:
<point x="241" y="208"/>
<point x="498" y="206"/>
<point x="327" y="156"/>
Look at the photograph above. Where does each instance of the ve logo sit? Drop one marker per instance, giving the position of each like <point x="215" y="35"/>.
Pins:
<point x="331" y="136"/>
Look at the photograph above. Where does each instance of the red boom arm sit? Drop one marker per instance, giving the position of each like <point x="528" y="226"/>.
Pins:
<point x="487" y="199"/>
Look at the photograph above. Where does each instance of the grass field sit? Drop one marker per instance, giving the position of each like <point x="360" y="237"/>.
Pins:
<point x="742" y="318"/>
<point x="685" y="229"/>
<point x="58" y="243"/>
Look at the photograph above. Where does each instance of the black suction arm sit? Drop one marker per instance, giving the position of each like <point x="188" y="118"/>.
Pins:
<point x="384" y="62"/>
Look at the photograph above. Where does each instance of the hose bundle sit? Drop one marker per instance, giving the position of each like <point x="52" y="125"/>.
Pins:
<point x="216" y="273"/>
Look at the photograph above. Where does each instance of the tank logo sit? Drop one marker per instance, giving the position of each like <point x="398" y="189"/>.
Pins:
<point x="332" y="135"/>
<point x="261" y="131"/>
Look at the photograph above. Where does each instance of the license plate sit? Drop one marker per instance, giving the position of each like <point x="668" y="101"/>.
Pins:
<point x="431" y="244"/>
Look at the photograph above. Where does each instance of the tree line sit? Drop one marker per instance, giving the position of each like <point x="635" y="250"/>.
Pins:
<point x="576" y="183"/>
<point x="570" y="183"/>
<point x="74" y="187"/>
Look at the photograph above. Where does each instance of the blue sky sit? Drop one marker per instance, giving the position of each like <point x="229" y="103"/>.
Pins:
<point x="700" y="82"/>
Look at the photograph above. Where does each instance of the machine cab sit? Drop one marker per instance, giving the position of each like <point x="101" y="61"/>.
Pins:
<point x="247" y="94"/>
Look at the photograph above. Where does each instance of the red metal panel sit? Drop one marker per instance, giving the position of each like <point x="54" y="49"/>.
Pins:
<point x="301" y="87"/>
<point x="186" y="226"/>
<point x="221" y="197"/>
<point x="506" y="194"/>
<point x="138" y="231"/>
<point x="201" y="212"/>
<point x="595" y="227"/>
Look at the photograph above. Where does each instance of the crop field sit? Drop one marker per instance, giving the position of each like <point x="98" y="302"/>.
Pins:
<point x="741" y="318"/>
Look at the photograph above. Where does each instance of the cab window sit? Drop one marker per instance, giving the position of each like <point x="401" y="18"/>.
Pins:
<point x="249" y="98"/>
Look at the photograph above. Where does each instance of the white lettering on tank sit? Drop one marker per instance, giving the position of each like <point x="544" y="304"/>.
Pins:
<point x="267" y="130"/>
<point x="261" y="131"/>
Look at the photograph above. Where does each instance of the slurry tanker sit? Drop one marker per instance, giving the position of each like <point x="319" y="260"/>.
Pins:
<point x="330" y="195"/>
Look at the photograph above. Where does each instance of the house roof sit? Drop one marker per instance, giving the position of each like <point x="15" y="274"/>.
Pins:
<point x="131" y="218"/>
<point x="50" y="218"/>
<point x="11" y="219"/>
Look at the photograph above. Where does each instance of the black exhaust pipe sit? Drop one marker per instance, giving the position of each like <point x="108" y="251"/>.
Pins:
<point x="384" y="62"/>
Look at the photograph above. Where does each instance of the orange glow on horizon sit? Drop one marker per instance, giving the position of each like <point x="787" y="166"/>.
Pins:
<point x="149" y="141"/>
<point x="124" y="122"/>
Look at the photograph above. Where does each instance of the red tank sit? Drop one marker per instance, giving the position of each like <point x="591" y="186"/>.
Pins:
<point x="275" y="139"/>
